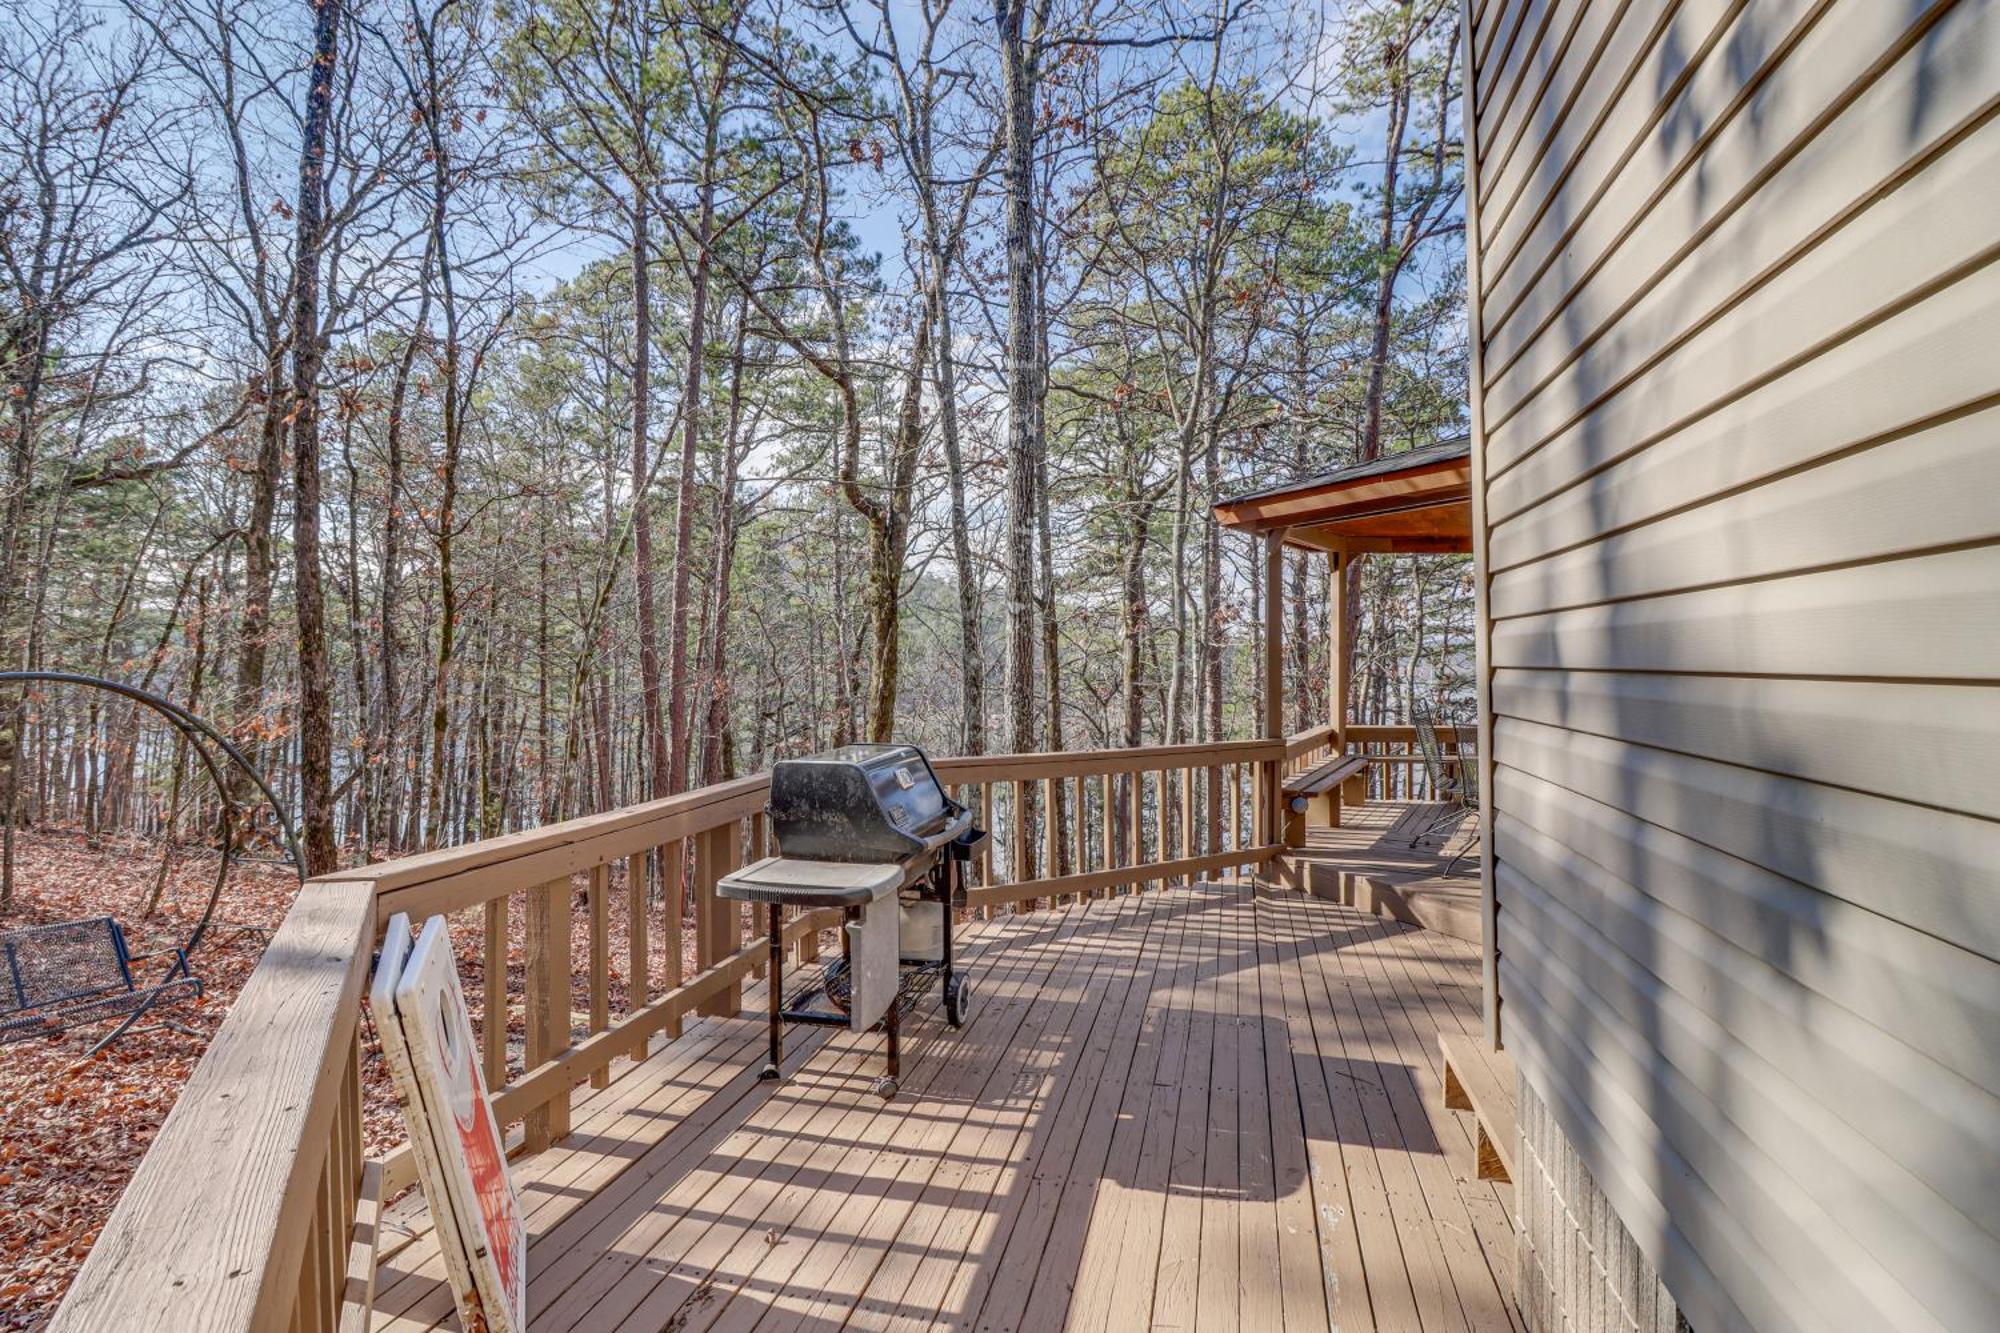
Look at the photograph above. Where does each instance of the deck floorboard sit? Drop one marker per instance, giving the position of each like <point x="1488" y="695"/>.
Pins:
<point x="1200" y="1108"/>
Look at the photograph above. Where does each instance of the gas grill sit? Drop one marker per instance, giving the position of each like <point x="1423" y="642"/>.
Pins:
<point x="868" y="829"/>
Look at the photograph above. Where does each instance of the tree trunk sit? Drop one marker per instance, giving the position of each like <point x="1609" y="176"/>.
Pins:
<point x="704" y="240"/>
<point x="1023" y="364"/>
<point x="972" y="682"/>
<point x="315" y="704"/>
<point x="659" y="777"/>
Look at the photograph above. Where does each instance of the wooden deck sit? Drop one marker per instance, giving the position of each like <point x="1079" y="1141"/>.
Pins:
<point x="1196" y="1108"/>
<point x="1368" y="863"/>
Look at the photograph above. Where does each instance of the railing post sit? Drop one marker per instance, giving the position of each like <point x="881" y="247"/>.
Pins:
<point x="718" y="929"/>
<point x="548" y="1000"/>
<point x="1274" y="685"/>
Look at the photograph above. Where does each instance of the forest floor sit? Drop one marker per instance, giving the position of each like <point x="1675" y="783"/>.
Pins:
<point x="73" y="1126"/>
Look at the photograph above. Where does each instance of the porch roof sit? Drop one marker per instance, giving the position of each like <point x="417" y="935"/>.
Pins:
<point x="1417" y="501"/>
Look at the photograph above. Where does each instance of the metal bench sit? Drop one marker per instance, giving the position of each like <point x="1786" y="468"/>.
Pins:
<point x="56" y="977"/>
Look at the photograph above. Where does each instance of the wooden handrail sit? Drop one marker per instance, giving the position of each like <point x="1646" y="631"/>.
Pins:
<point x="278" y="1092"/>
<point x="1304" y="742"/>
<point x="219" y="1226"/>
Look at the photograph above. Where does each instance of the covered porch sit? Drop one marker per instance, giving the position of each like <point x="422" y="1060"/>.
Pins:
<point x="1367" y="819"/>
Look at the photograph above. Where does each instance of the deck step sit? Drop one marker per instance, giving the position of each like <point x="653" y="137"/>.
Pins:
<point x="1482" y="1082"/>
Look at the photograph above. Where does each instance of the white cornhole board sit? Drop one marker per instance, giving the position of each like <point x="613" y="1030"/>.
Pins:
<point x="461" y="1158"/>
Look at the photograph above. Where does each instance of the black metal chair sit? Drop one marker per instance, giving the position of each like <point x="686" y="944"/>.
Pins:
<point x="1455" y="780"/>
<point x="62" y="975"/>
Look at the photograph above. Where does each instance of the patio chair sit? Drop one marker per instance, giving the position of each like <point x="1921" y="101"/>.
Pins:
<point x="56" y="977"/>
<point x="1456" y="781"/>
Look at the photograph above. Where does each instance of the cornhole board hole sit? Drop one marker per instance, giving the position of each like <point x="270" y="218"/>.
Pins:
<point x="461" y="1158"/>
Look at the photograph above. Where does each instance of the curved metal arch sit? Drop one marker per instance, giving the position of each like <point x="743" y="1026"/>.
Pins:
<point x="200" y="735"/>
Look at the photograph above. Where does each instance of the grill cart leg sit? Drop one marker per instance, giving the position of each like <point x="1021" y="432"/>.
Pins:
<point x="885" y="1086"/>
<point x="957" y="989"/>
<point x="776" y="982"/>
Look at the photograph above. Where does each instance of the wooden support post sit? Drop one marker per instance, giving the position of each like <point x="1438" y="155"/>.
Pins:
<point x="600" y="961"/>
<point x="1274" y="679"/>
<point x="548" y="1000"/>
<point x="1337" y="649"/>
<point x="718" y="923"/>
<point x="493" y="1024"/>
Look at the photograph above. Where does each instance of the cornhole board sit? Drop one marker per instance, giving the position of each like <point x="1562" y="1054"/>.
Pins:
<point x="461" y="1158"/>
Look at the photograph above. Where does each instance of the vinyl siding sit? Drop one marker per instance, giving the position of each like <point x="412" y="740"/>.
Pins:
<point x="1736" y="278"/>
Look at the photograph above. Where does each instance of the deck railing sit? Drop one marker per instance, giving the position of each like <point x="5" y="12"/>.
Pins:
<point x="1398" y="772"/>
<point x="242" y="1215"/>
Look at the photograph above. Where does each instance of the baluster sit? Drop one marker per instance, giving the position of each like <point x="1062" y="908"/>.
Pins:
<point x="1107" y="851"/>
<point x="1135" y="830"/>
<point x="638" y="969"/>
<point x="1235" y="809"/>
<point x="493" y="999"/>
<point x="986" y="848"/>
<point x="1081" y="831"/>
<point x="672" y="860"/>
<point x="1160" y="824"/>
<point x="600" y="961"/>
<point x="1017" y="868"/>
<point x="1187" y="819"/>
<point x="1212" y="803"/>
<point x="1051" y="834"/>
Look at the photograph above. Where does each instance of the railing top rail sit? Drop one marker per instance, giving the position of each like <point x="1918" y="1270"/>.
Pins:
<point x="1392" y="734"/>
<point x="1084" y="763"/>
<point x="192" y="1246"/>
<point x="631" y="827"/>
<point x="216" y="1191"/>
<point x="1299" y="742"/>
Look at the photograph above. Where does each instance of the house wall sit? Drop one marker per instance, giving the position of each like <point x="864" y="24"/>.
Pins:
<point x="1737" y="444"/>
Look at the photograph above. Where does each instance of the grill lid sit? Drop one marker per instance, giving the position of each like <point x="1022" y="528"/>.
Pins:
<point x="861" y="803"/>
